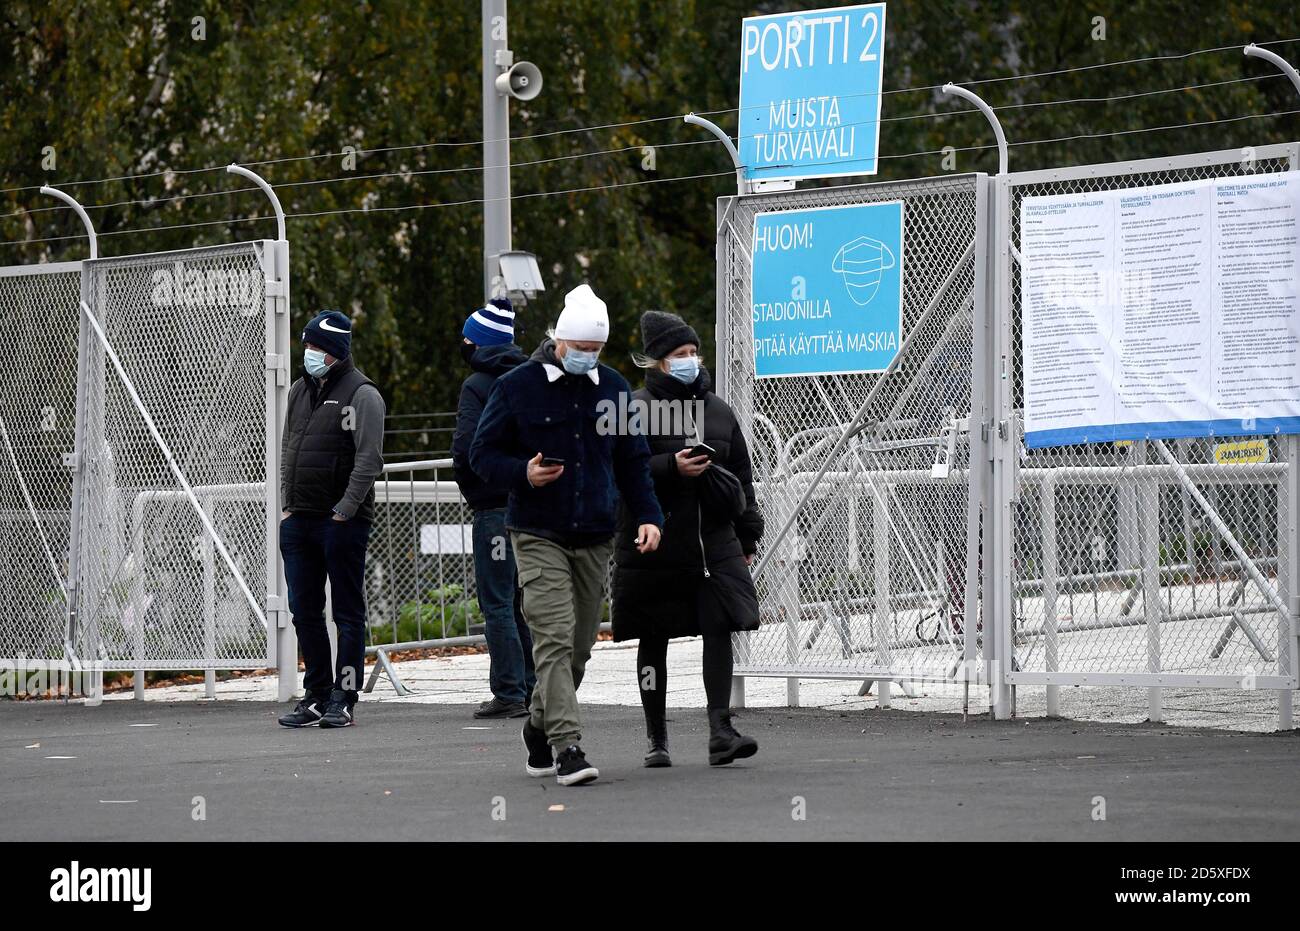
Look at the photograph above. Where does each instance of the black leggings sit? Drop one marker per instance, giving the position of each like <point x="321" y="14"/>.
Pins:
<point x="652" y="672"/>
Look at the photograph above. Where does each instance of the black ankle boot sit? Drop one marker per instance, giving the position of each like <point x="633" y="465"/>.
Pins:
<point x="656" y="731"/>
<point x="725" y="744"/>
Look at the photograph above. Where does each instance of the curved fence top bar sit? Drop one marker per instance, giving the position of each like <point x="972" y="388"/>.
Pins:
<point x="81" y="212"/>
<point x="267" y="190"/>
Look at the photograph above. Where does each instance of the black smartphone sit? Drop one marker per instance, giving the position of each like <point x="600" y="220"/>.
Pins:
<point x="703" y="449"/>
<point x="551" y="461"/>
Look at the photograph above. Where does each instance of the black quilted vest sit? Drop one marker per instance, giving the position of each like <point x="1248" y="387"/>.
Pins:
<point x="318" y="453"/>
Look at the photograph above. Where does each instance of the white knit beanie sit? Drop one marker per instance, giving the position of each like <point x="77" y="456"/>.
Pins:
<point x="584" y="317"/>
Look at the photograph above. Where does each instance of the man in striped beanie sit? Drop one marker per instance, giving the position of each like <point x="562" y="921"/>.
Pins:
<point x="488" y="347"/>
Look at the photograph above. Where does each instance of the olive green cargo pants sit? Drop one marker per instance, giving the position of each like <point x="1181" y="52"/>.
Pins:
<point x="563" y="589"/>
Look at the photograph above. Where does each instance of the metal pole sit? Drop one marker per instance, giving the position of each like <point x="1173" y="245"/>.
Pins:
<point x="73" y="590"/>
<point x="80" y="211"/>
<point x="999" y="649"/>
<point x="268" y="191"/>
<point x="1149" y="511"/>
<point x="279" y="629"/>
<point x="956" y="91"/>
<point x="742" y="185"/>
<point x="209" y="608"/>
<point x="496" y="148"/>
<point x="1254" y="51"/>
<point x="882" y="609"/>
<point x="1288" y="573"/>
<point x="1051" y="658"/>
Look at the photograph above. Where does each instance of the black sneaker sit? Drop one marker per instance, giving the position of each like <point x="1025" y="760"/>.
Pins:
<point x="338" y="713"/>
<point x="541" y="761"/>
<point x="307" y="713"/>
<point x="496" y="708"/>
<point x="572" y="768"/>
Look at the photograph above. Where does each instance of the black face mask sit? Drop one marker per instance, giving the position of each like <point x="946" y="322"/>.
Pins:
<point x="467" y="351"/>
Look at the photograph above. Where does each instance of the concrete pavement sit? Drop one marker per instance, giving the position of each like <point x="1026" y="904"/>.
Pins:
<point x="428" y="771"/>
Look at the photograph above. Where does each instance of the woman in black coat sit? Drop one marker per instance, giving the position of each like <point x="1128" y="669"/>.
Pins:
<point x="697" y="582"/>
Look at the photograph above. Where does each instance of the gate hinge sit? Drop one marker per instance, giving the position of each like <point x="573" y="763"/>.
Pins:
<point x="72" y="460"/>
<point x="1002" y="429"/>
<point x="275" y="361"/>
<point x="277" y="294"/>
<point x="275" y="608"/>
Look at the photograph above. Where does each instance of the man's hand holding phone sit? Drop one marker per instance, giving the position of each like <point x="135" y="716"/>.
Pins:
<point x="543" y="470"/>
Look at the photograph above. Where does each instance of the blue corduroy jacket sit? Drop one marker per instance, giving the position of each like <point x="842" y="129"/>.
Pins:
<point x="528" y="412"/>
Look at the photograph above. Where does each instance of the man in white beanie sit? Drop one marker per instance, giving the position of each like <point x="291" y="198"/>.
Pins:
<point x="539" y="437"/>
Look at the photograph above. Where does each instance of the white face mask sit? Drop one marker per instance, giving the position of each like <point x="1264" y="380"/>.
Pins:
<point x="314" y="361"/>
<point x="685" y="369"/>
<point x="577" y="362"/>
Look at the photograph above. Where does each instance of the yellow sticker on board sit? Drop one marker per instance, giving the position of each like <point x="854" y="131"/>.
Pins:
<point x="1243" y="451"/>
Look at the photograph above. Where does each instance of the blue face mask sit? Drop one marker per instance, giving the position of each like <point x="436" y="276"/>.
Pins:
<point x="685" y="369"/>
<point x="577" y="362"/>
<point x="314" y="361"/>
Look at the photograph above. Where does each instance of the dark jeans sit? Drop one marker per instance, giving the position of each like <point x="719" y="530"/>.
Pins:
<point x="315" y="547"/>
<point x="509" y="643"/>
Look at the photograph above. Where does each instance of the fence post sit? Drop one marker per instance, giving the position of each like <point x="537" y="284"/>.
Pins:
<point x="1149" y="511"/>
<point x="1047" y="508"/>
<point x="210" y="609"/>
<point x="998" y="647"/>
<point x="1288" y="572"/>
<point x="880" y="556"/>
<point x="76" y="460"/>
<point x="979" y="502"/>
<point x="282" y="639"/>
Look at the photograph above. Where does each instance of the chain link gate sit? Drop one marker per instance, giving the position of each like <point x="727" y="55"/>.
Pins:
<point x="38" y="401"/>
<point x="177" y="566"/>
<point x="876" y="576"/>
<point x="1143" y="563"/>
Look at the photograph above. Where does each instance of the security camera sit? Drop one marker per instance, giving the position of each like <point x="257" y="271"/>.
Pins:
<point x="523" y="81"/>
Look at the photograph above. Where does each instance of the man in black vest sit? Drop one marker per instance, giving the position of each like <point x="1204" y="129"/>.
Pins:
<point x="331" y="455"/>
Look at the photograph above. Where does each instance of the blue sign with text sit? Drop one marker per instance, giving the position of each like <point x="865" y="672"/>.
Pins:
<point x="827" y="289"/>
<point x="810" y="87"/>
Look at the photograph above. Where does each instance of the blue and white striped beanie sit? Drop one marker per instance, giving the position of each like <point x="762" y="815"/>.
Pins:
<point x="491" y="325"/>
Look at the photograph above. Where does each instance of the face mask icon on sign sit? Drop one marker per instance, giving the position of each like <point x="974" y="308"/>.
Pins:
<point x="861" y="263"/>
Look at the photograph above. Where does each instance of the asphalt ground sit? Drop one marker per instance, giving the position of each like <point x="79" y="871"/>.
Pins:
<point x="145" y="771"/>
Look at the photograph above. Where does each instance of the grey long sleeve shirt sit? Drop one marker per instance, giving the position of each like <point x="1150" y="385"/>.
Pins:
<point x="368" y="436"/>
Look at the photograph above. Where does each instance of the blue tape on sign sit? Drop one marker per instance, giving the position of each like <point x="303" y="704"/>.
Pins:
<point x="1167" y="430"/>
<point x="810" y="87"/>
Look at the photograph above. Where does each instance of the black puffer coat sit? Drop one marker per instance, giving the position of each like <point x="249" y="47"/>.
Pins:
<point x="697" y="580"/>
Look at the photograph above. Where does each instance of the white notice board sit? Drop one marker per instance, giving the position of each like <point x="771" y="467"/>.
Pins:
<point x="1159" y="312"/>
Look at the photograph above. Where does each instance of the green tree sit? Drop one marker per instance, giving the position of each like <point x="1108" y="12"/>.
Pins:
<point x="119" y="88"/>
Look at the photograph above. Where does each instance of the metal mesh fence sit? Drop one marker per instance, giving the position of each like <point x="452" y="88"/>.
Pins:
<point x="1149" y="562"/>
<point x="190" y="329"/>
<point x="872" y="578"/>
<point x="420" y="560"/>
<point x="420" y="563"/>
<point x="38" y="401"/>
